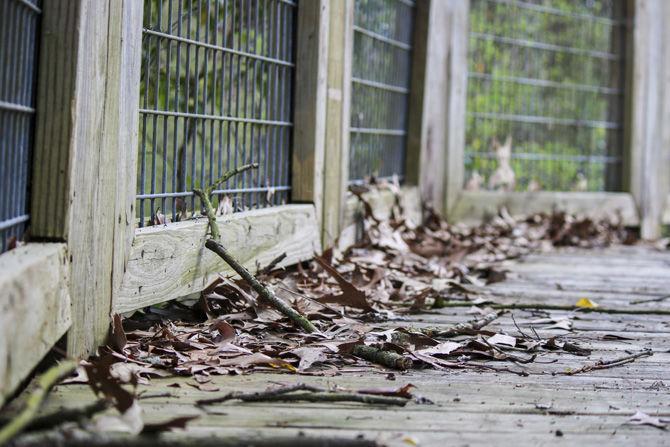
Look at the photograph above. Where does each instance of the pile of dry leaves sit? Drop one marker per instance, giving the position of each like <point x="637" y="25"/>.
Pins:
<point x="350" y="297"/>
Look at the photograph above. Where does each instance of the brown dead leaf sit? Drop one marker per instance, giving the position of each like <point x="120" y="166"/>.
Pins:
<point x="351" y="296"/>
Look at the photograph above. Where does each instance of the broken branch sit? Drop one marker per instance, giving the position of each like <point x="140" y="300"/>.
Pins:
<point x="606" y="364"/>
<point x="311" y="394"/>
<point x="34" y="401"/>
<point x="389" y="359"/>
<point x="462" y="328"/>
<point x="263" y="291"/>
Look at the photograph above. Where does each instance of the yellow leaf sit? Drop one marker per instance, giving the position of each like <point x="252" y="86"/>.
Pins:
<point x="585" y="303"/>
<point x="279" y="365"/>
<point x="409" y="440"/>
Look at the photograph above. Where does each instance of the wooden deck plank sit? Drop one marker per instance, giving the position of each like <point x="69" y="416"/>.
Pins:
<point x="476" y="407"/>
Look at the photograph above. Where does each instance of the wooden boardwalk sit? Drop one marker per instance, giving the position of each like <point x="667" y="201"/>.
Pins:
<point x="484" y="408"/>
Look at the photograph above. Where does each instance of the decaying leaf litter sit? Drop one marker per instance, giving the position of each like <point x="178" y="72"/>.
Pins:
<point x="358" y="300"/>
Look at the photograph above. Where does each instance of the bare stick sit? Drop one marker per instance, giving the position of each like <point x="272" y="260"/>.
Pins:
<point x="214" y="245"/>
<point x="34" y="401"/>
<point x="462" y="328"/>
<point x="259" y="395"/>
<point x="389" y="359"/>
<point x="606" y="364"/>
<point x="311" y="394"/>
<point x="263" y="291"/>
<point x="204" y="196"/>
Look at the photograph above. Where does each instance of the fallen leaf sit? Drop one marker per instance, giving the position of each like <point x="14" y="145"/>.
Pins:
<point x="309" y="356"/>
<point x="129" y="421"/>
<point x="640" y="418"/>
<point x="178" y="422"/>
<point x="442" y="349"/>
<point x="351" y="296"/>
<point x="118" y="336"/>
<point x="585" y="303"/>
<point x="502" y="340"/>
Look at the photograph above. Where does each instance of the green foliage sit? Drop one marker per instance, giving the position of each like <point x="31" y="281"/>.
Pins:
<point x="548" y="73"/>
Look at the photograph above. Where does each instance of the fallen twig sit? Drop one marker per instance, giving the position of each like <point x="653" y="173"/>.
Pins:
<point x="606" y="364"/>
<point x="268" y="268"/>
<point x="204" y="196"/>
<point x="310" y="394"/>
<point x="263" y="291"/>
<point x="389" y="359"/>
<point x="220" y="250"/>
<point x="530" y="306"/>
<point x="651" y="300"/>
<point x="462" y="328"/>
<point x="34" y="401"/>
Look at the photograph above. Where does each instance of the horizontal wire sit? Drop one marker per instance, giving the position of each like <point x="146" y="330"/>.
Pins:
<point x="387" y="132"/>
<point x="384" y="39"/>
<point x="216" y="117"/>
<point x="270" y="60"/>
<point x="12" y="107"/>
<point x="551" y="157"/>
<point x="161" y="195"/>
<point x="9" y="223"/>
<point x="546" y="46"/>
<point x="380" y="85"/>
<point x="546" y="120"/>
<point x="559" y="12"/>
<point x="546" y="83"/>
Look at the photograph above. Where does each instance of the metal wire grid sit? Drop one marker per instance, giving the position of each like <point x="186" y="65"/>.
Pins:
<point x="548" y="73"/>
<point x="380" y="88"/>
<point x="216" y="91"/>
<point x="19" y="32"/>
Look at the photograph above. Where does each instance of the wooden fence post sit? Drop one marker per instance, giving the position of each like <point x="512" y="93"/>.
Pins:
<point x="439" y="83"/>
<point x="83" y="150"/>
<point x="338" y="110"/>
<point x="646" y="162"/>
<point x="311" y="77"/>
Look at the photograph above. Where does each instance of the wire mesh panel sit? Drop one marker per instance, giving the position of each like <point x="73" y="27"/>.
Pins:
<point x="380" y="87"/>
<point x="545" y="95"/>
<point x="216" y="89"/>
<point x="19" y="31"/>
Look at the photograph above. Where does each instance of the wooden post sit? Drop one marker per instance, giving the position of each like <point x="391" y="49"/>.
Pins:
<point x="439" y="84"/>
<point x="84" y="139"/>
<point x="338" y="110"/>
<point x="309" y="132"/>
<point x="648" y="105"/>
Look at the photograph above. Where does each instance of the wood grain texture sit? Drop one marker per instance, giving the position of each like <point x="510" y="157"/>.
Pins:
<point x="338" y="110"/>
<point x="85" y="150"/>
<point x="171" y="261"/>
<point x="473" y="207"/>
<point x="34" y="308"/>
<point x="54" y="119"/>
<point x="310" y="103"/>
<point x="476" y="408"/>
<point x="646" y="161"/>
<point x="126" y="179"/>
<point x="441" y="138"/>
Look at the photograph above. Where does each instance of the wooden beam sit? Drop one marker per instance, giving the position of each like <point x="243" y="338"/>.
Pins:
<point x="309" y="133"/>
<point x="34" y="308"/>
<point x="473" y="207"/>
<point x="83" y="149"/>
<point x="646" y="160"/>
<point x="417" y="98"/>
<point x="440" y="138"/>
<point x="126" y="169"/>
<point x="338" y="111"/>
<point x="171" y="261"/>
